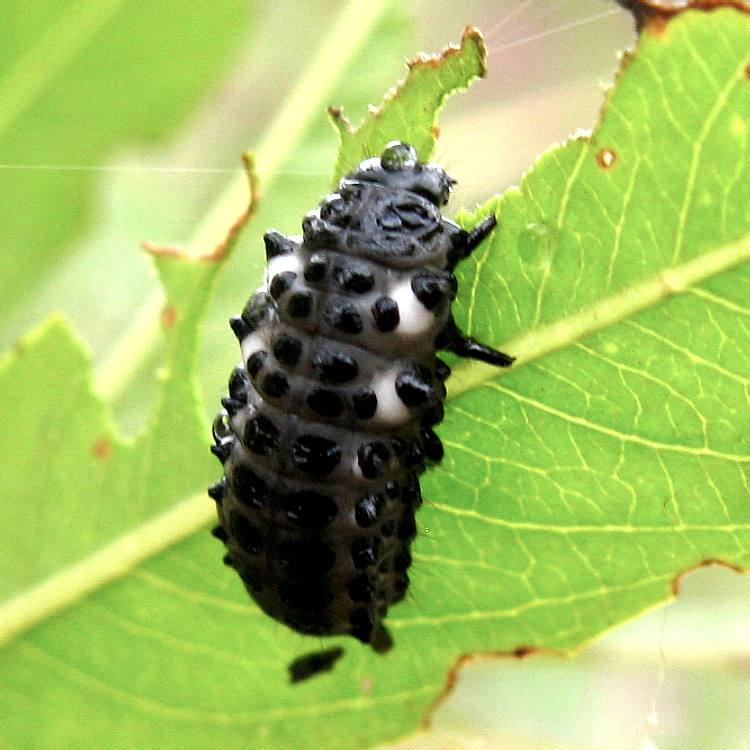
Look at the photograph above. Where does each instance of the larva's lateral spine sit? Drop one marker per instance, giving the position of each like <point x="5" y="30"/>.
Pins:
<point x="328" y="421"/>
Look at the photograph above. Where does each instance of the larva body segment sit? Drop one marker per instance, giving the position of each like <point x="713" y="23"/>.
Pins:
<point x="328" y="421"/>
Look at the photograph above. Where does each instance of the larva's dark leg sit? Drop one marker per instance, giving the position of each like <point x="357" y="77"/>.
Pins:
<point x="480" y="231"/>
<point x="467" y="242"/>
<point x="453" y="340"/>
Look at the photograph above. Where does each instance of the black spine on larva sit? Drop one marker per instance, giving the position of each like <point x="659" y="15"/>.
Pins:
<point x="327" y="425"/>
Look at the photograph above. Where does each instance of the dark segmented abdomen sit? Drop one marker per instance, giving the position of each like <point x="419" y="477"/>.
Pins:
<point x="326" y="429"/>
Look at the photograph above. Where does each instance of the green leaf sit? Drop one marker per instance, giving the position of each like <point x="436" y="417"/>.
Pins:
<point x="78" y="78"/>
<point x="411" y="110"/>
<point x="580" y="484"/>
<point x="74" y="484"/>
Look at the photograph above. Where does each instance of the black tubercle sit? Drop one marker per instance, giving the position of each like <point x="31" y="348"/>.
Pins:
<point x="277" y="244"/>
<point x="317" y="506"/>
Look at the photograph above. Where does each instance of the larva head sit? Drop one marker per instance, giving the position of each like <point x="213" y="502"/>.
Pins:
<point x="387" y="210"/>
<point x="399" y="167"/>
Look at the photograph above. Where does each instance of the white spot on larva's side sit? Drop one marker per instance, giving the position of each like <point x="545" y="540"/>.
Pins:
<point x="356" y="471"/>
<point x="250" y="344"/>
<point x="390" y="409"/>
<point x="282" y="263"/>
<point x="414" y="318"/>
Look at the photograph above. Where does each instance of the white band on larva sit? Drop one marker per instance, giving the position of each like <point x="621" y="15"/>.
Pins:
<point x="390" y="409"/>
<point x="414" y="319"/>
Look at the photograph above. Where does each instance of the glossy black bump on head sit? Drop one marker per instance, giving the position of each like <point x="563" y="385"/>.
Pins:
<point x="365" y="551"/>
<point x="248" y="487"/>
<point x="316" y="455"/>
<point x="313" y="664"/>
<point x="431" y="288"/>
<point x="275" y="384"/>
<point x="344" y="317"/>
<point x="368" y="509"/>
<point x="334" y="367"/>
<point x="392" y="488"/>
<point x="365" y="402"/>
<point x="277" y="244"/>
<point x="325" y="402"/>
<point x="361" y="589"/>
<point x="372" y="458"/>
<point x="287" y="349"/>
<point x="255" y="362"/>
<point x="333" y="210"/>
<point x="316" y="268"/>
<point x="281" y="283"/>
<point x="247" y="534"/>
<point x="309" y="509"/>
<point x="299" y="305"/>
<point x="306" y="558"/>
<point x="385" y="314"/>
<point x="260" y="435"/>
<point x="354" y="278"/>
<point x="412" y="389"/>
<point x="398" y="156"/>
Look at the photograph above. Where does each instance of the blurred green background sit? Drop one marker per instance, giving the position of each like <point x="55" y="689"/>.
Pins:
<point x="120" y="122"/>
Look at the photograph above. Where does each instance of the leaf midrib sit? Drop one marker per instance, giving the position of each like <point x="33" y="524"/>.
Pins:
<point x="604" y="313"/>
